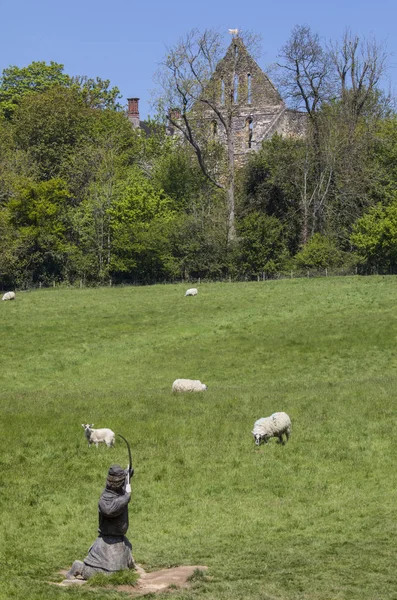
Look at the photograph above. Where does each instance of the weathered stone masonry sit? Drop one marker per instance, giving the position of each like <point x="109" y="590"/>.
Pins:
<point x="258" y="109"/>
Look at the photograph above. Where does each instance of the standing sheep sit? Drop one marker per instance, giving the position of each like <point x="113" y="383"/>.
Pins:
<point x="191" y="292"/>
<point x="9" y="296"/>
<point x="276" y="425"/>
<point x="188" y="385"/>
<point x="96" y="436"/>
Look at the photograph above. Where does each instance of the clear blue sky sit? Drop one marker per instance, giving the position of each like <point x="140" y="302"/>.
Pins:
<point x="125" y="41"/>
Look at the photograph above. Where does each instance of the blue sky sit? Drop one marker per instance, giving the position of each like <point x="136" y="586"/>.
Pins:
<point x="125" y="41"/>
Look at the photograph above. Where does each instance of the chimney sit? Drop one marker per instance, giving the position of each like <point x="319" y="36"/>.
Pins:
<point x="133" y="112"/>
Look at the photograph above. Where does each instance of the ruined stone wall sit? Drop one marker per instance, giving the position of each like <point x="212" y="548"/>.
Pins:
<point x="255" y="105"/>
<point x="244" y="94"/>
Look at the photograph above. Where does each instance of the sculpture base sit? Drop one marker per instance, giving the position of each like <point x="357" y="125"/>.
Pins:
<point x="148" y="583"/>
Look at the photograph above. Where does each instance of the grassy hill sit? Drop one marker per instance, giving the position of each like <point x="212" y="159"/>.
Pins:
<point x="315" y="519"/>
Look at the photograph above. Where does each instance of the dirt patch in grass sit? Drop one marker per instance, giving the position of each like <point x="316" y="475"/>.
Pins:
<point x="150" y="583"/>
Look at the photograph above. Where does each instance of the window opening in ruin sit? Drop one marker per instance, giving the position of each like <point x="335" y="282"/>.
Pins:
<point x="235" y="89"/>
<point x="250" y="131"/>
<point x="249" y="87"/>
<point x="214" y="128"/>
<point x="222" y="92"/>
<point x="235" y="51"/>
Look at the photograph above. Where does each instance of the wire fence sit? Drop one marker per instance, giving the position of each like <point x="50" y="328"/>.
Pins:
<point x="197" y="280"/>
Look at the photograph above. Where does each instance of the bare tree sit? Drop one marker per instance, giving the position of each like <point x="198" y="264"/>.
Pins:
<point x="198" y="96"/>
<point x="337" y="86"/>
<point x="305" y="71"/>
<point x="360" y="65"/>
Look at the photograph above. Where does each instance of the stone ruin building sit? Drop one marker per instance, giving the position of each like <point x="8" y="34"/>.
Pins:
<point x="257" y="109"/>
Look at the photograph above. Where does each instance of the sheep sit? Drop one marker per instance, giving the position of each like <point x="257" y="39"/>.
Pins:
<point x="96" y="436"/>
<point x="191" y="292"/>
<point x="276" y="425"/>
<point x="9" y="296"/>
<point x="188" y="385"/>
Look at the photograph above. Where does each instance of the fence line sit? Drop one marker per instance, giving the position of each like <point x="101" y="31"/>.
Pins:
<point x="259" y="277"/>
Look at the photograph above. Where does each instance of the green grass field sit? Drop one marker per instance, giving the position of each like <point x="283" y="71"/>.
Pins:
<point x="315" y="519"/>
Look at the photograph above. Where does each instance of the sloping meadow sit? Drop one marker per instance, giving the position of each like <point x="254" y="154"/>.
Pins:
<point x="314" y="519"/>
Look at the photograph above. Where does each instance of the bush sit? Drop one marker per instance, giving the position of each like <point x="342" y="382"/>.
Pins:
<point x="319" y="253"/>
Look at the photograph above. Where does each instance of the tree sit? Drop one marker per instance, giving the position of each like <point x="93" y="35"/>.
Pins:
<point x="305" y="71"/>
<point x="141" y="220"/>
<point x="49" y="126"/>
<point x="38" y="216"/>
<point x="337" y="86"/>
<point x="375" y="236"/>
<point x="97" y="92"/>
<point x="17" y="82"/>
<point x="262" y="247"/>
<point x="360" y="65"/>
<point x="198" y="95"/>
<point x="319" y="253"/>
<point x="38" y="77"/>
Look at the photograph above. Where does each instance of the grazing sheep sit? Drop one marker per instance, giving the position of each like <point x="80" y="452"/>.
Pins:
<point x="9" y="296"/>
<point x="191" y="292"/>
<point x="276" y="425"/>
<point x="188" y="385"/>
<point x="96" y="436"/>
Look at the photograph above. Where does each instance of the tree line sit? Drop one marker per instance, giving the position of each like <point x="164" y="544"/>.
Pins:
<point x="86" y="198"/>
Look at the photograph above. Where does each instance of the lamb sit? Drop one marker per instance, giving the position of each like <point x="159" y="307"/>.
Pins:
<point x="188" y="385"/>
<point x="276" y="425"/>
<point x="9" y="296"/>
<point x="191" y="292"/>
<point x="96" y="436"/>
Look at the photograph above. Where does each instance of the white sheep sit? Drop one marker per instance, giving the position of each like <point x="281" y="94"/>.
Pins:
<point x="276" y="425"/>
<point x="191" y="292"/>
<point x="96" y="436"/>
<point x="9" y="296"/>
<point x="188" y="385"/>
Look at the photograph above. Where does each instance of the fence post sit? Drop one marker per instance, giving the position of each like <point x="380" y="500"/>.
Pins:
<point x="308" y="274"/>
<point x="326" y="272"/>
<point x="292" y="274"/>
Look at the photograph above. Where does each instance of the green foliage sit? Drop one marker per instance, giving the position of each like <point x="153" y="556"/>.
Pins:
<point x="385" y="159"/>
<point x="262" y="245"/>
<point x="37" y="243"/>
<point x="38" y="77"/>
<point x="141" y="219"/>
<point x="270" y="184"/>
<point x="49" y="126"/>
<point x="97" y="93"/>
<point x="375" y="236"/>
<point x="177" y="173"/>
<point x="320" y="252"/>
<point x="16" y="83"/>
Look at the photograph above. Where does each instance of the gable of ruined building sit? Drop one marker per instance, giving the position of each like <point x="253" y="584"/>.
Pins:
<point x="249" y="75"/>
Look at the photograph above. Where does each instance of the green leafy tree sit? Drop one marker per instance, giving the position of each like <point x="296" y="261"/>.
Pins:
<point x="142" y="219"/>
<point x="97" y="92"/>
<point x="50" y="126"/>
<point x="319" y="253"/>
<point x="262" y="247"/>
<point x="17" y="82"/>
<point x="38" y="215"/>
<point x="375" y="237"/>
